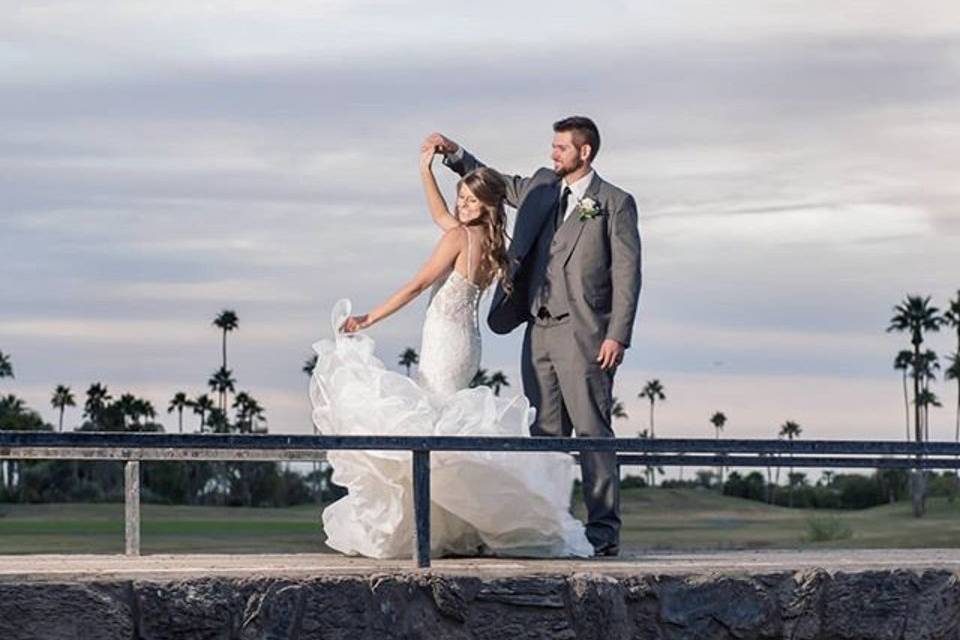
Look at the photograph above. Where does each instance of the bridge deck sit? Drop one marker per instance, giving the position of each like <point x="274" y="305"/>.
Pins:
<point x="16" y="568"/>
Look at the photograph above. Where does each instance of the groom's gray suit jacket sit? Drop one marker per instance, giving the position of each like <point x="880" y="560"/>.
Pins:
<point x="599" y="257"/>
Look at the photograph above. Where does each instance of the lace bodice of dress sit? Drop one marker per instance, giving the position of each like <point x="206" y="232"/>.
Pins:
<point x="456" y="299"/>
<point x="450" y="346"/>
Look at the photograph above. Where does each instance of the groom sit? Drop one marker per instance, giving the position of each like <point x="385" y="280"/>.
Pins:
<point x="575" y="259"/>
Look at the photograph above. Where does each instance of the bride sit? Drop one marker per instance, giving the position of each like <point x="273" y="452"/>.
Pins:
<point x="481" y="502"/>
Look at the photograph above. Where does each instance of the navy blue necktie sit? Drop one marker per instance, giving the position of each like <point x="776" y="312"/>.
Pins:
<point x="562" y="209"/>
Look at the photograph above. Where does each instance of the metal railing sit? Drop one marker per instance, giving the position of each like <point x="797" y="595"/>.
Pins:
<point x="132" y="448"/>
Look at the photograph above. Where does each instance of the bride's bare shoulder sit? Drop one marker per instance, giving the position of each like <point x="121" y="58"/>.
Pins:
<point x="457" y="234"/>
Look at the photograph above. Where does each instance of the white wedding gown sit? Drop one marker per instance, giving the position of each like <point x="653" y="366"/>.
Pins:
<point x="481" y="502"/>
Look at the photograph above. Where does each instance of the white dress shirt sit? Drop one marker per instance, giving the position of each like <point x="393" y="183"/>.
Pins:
<point x="577" y="190"/>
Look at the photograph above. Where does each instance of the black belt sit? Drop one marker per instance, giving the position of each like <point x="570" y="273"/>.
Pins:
<point x="544" y="314"/>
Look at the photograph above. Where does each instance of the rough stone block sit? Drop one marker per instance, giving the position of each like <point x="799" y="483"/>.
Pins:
<point x="65" y="611"/>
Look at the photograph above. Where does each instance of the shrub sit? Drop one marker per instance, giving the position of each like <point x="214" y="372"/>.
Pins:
<point x="826" y="528"/>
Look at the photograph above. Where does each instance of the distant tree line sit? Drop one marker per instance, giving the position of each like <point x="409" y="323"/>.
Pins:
<point x="831" y="491"/>
<point x="194" y="483"/>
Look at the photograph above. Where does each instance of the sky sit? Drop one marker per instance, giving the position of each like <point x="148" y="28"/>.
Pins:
<point x="793" y="164"/>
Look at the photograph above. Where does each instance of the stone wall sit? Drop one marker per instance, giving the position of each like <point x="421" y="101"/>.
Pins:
<point x="874" y="605"/>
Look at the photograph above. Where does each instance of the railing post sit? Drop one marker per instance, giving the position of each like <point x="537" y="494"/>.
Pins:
<point x="132" y="506"/>
<point x="421" y="506"/>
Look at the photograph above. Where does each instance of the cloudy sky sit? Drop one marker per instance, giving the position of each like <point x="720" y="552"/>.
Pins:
<point x="794" y="163"/>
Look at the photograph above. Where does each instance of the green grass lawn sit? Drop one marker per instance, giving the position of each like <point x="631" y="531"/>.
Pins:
<point x="98" y="528"/>
<point x="653" y="519"/>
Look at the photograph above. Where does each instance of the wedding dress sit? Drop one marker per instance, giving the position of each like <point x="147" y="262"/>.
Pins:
<point x="481" y="502"/>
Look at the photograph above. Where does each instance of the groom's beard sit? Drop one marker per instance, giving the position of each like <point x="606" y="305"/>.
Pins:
<point x="564" y="170"/>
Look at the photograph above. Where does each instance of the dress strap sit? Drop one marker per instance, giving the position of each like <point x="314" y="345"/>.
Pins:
<point x="469" y="253"/>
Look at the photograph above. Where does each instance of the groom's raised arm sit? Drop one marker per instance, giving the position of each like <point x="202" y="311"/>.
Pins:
<point x="463" y="162"/>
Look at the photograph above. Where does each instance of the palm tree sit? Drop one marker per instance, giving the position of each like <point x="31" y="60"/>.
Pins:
<point x="178" y="403"/>
<point x="201" y="406"/>
<point x="227" y="321"/>
<point x="127" y="404"/>
<point x="222" y="382"/>
<point x="248" y="410"/>
<point x="497" y="381"/>
<point x="927" y="366"/>
<point x="953" y="373"/>
<point x="408" y="358"/>
<point x="11" y="405"/>
<point x="62" y="398"/>
<point x="257" y="417"/>
<point x="218" y="421"/>
<point x="143" y="409"/>
<point x="650" y="469"/>
<point x="952" y="318"/>
<point x="240" y="403"/>
<point x="926" y="399"/>
<point x="653" y="391"/>
<point x="617" y="409"/>
<point x="916" y="316"/>
<point x="790" y="430"/>
<point x="6" y="367"/>
<point x="480" y="379"/>
<point x="97" y="399"/>
<point x="718" y="419"/>
<point x="903" y="362"/>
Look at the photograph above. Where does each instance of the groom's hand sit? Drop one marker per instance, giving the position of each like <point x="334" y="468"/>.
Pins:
<point x="440" y="143"/>
<point x="611" y="354"/>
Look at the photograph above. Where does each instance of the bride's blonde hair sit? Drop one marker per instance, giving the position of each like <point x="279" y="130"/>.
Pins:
<point x="487" y="185"/>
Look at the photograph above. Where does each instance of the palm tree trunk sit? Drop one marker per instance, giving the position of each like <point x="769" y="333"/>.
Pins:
<point x="60" y="428"/>
<point x="653" y="433"/>
<point x="917" y="488"/>
<point x="180" y="418"/>
<point x="720" y="469"/>
<point x="906" y="403"/>
<point x="224" y="348"/>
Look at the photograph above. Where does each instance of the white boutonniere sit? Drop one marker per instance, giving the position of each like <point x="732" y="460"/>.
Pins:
<point x="587" y="209"/>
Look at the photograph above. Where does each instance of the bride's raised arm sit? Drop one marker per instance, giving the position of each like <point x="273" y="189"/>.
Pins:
<point x="439" y="264"/>
<point x="435" y="202"/>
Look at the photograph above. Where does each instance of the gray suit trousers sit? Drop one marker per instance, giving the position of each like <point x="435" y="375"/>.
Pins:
<point x="573" y="395"/>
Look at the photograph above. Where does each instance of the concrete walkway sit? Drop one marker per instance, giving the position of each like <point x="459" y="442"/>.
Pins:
<point x="168" y="567"/>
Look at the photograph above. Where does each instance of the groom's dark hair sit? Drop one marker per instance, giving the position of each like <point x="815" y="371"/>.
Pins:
<point x="584" y="132"/>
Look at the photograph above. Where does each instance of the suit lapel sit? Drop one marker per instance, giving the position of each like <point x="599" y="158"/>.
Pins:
<point x="531" y="223"/>
<point x="593" y="190"/>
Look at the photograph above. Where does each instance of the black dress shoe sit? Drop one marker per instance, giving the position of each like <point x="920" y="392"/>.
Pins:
<point x="609" y="550"/>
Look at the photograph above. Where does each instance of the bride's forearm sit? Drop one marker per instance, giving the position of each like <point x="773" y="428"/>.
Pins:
<point x="395" y="302"/>
<point x="435" y="202"/>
